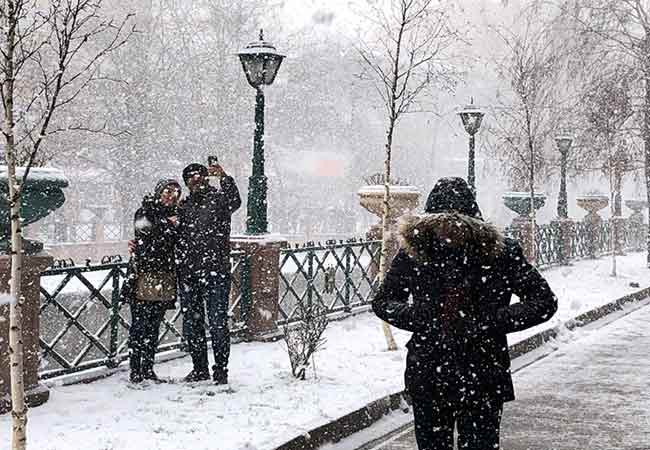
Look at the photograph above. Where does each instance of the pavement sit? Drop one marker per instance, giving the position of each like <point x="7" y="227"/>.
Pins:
<point x="593" y="393"/>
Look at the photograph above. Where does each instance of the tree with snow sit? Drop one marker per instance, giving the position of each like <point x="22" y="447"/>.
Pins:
<point x="49" y="56"/>
<point x="409" y="57"/>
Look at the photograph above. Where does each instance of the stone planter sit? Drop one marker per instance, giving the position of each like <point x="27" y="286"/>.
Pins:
<point x="592" y="203"/>
<point x="637" y="207"/>
<point x="519" y="202"/>
<point x="403" y="200"/>
<point x="42" y="194"/>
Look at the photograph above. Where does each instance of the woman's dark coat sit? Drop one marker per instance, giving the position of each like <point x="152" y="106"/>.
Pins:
<point x="451" y="284"/>
<point x="155" y="236"/>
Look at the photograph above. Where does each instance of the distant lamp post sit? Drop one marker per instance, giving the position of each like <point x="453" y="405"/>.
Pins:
<point x="563" y="143"/>
<point x="260" y="61"/>
<point x="471" y="117"/>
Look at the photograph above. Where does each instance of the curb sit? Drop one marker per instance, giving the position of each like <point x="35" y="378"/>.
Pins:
<point x="362" y="418"/>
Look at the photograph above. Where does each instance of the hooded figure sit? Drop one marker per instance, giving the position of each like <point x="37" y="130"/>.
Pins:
<point x="150" y="286"/>
<point x="451" y="284"/>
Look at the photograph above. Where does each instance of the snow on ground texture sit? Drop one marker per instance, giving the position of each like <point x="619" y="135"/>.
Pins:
<point x="267" y="406"/>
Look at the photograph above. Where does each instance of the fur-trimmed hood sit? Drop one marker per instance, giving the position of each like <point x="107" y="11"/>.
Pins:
<point x="429" y="236"/>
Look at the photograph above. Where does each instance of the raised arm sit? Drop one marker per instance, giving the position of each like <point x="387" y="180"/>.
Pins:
<point x="229" y="188"/>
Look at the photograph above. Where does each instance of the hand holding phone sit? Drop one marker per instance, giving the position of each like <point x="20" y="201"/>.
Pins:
<point x="214" y="168"/>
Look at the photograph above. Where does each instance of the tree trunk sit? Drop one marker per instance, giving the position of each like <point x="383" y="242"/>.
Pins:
<point x="392" y="119"/>
<point x="385" y="227"/>
<point x="19" y="410"/>
<point x="646" y="151"/>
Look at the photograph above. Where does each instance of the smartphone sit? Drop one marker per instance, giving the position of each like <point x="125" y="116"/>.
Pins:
<point x="212" y="180"/>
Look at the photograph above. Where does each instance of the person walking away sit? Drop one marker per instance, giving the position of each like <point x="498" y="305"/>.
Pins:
<point x="451" y="285"/>
<point x="204" y="267"/>
<point x="150" y="287"/>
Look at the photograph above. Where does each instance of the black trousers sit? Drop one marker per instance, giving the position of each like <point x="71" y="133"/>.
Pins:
<point x="211" y="293"/>
<point x="146" y="318"/>
<point x="478" y="425"/>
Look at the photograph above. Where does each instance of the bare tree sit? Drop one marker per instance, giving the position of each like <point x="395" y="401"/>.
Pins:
<point x="409" y="57"/>
<point x="46" y="62"/>
<point x="622" y="26"/>
<point x="608" y="106"/>
<point x="527" y="115"/>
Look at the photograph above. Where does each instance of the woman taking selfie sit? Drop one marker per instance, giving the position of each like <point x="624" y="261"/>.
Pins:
<point x="150" y="287"/>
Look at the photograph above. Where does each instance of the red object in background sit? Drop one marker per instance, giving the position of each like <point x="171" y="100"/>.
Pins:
<point x="329" y="168"/>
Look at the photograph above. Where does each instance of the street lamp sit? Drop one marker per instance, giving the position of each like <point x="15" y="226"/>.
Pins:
<point x="471" y="117"/>
<point x="563" y="143"/>
<point x="260" y="61"/>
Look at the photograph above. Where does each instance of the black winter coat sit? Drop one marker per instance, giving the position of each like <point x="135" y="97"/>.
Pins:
<point x="204" y="229"/>
<point x="155" y="252"/>
<point x="451" y="285"/>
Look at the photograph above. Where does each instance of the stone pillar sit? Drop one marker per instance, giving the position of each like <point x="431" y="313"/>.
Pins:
<point x="636" y="223"/>
<point x="264" y="254"/>
<point x="35" y="393"/>
<point x="566" y="231"/>
<point x="523" y="228"/>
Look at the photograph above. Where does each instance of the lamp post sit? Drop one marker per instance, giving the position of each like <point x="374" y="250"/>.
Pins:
<point x="260" y="61"/>
<point x="563" y="143"/>
<point x="471" y="117"/>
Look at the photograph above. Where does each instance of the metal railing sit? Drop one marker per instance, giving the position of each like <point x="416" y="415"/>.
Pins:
<point x="83" y="325"/>
<point x="339" y="275"/>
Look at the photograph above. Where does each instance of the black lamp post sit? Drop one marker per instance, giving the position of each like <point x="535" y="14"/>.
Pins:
<point x="261" y="62"/>
<point x="563" y="143"/>
<point x="471" y="118"/>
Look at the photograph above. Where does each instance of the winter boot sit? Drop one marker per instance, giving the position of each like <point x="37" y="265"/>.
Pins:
<point x="220" y="376"/>
<point x="197" y="375"/>
<point x="149" y="374"/>
<point x="136" y="371"/>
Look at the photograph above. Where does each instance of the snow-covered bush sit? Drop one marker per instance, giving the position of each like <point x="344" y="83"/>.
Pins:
<point x="305" y="338"/>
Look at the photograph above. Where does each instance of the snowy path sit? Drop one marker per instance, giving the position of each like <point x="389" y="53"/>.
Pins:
<point x="590" y="394"/>
<point x="268" y="407"/>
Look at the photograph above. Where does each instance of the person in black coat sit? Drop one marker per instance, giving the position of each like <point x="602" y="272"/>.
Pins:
<point x="203" y="253"/>
<point x="150" y="287"/>
<point x="451" y="284"/>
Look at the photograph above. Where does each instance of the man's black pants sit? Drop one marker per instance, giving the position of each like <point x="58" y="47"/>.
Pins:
<point x="211" y="292"/>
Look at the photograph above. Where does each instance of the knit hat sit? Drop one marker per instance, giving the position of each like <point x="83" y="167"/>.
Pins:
<point x="162" y="184"/>
<point x="193" y="169"/>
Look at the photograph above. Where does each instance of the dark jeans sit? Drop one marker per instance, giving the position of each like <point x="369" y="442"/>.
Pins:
<point x="478" y="427"/>
<point x="143" y="336"/>
<point x="198" y="293"/>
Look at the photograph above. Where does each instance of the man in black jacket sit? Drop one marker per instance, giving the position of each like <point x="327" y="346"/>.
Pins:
<point x="203" y="253"/>
<point x="451" y="284"/>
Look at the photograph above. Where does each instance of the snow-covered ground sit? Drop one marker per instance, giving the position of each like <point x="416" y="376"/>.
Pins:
<point x="264" y="406"/>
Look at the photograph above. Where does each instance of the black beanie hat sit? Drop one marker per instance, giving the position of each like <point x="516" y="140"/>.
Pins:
<point x="452" y="194"/>
<point x="192" y="169"/>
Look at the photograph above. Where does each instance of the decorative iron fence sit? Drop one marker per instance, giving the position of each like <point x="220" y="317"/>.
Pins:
<point x="340" y="276"/>
<point x="548" y="241"/>
<point x="584" y="242"/>
<point x="84" y="326"/>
